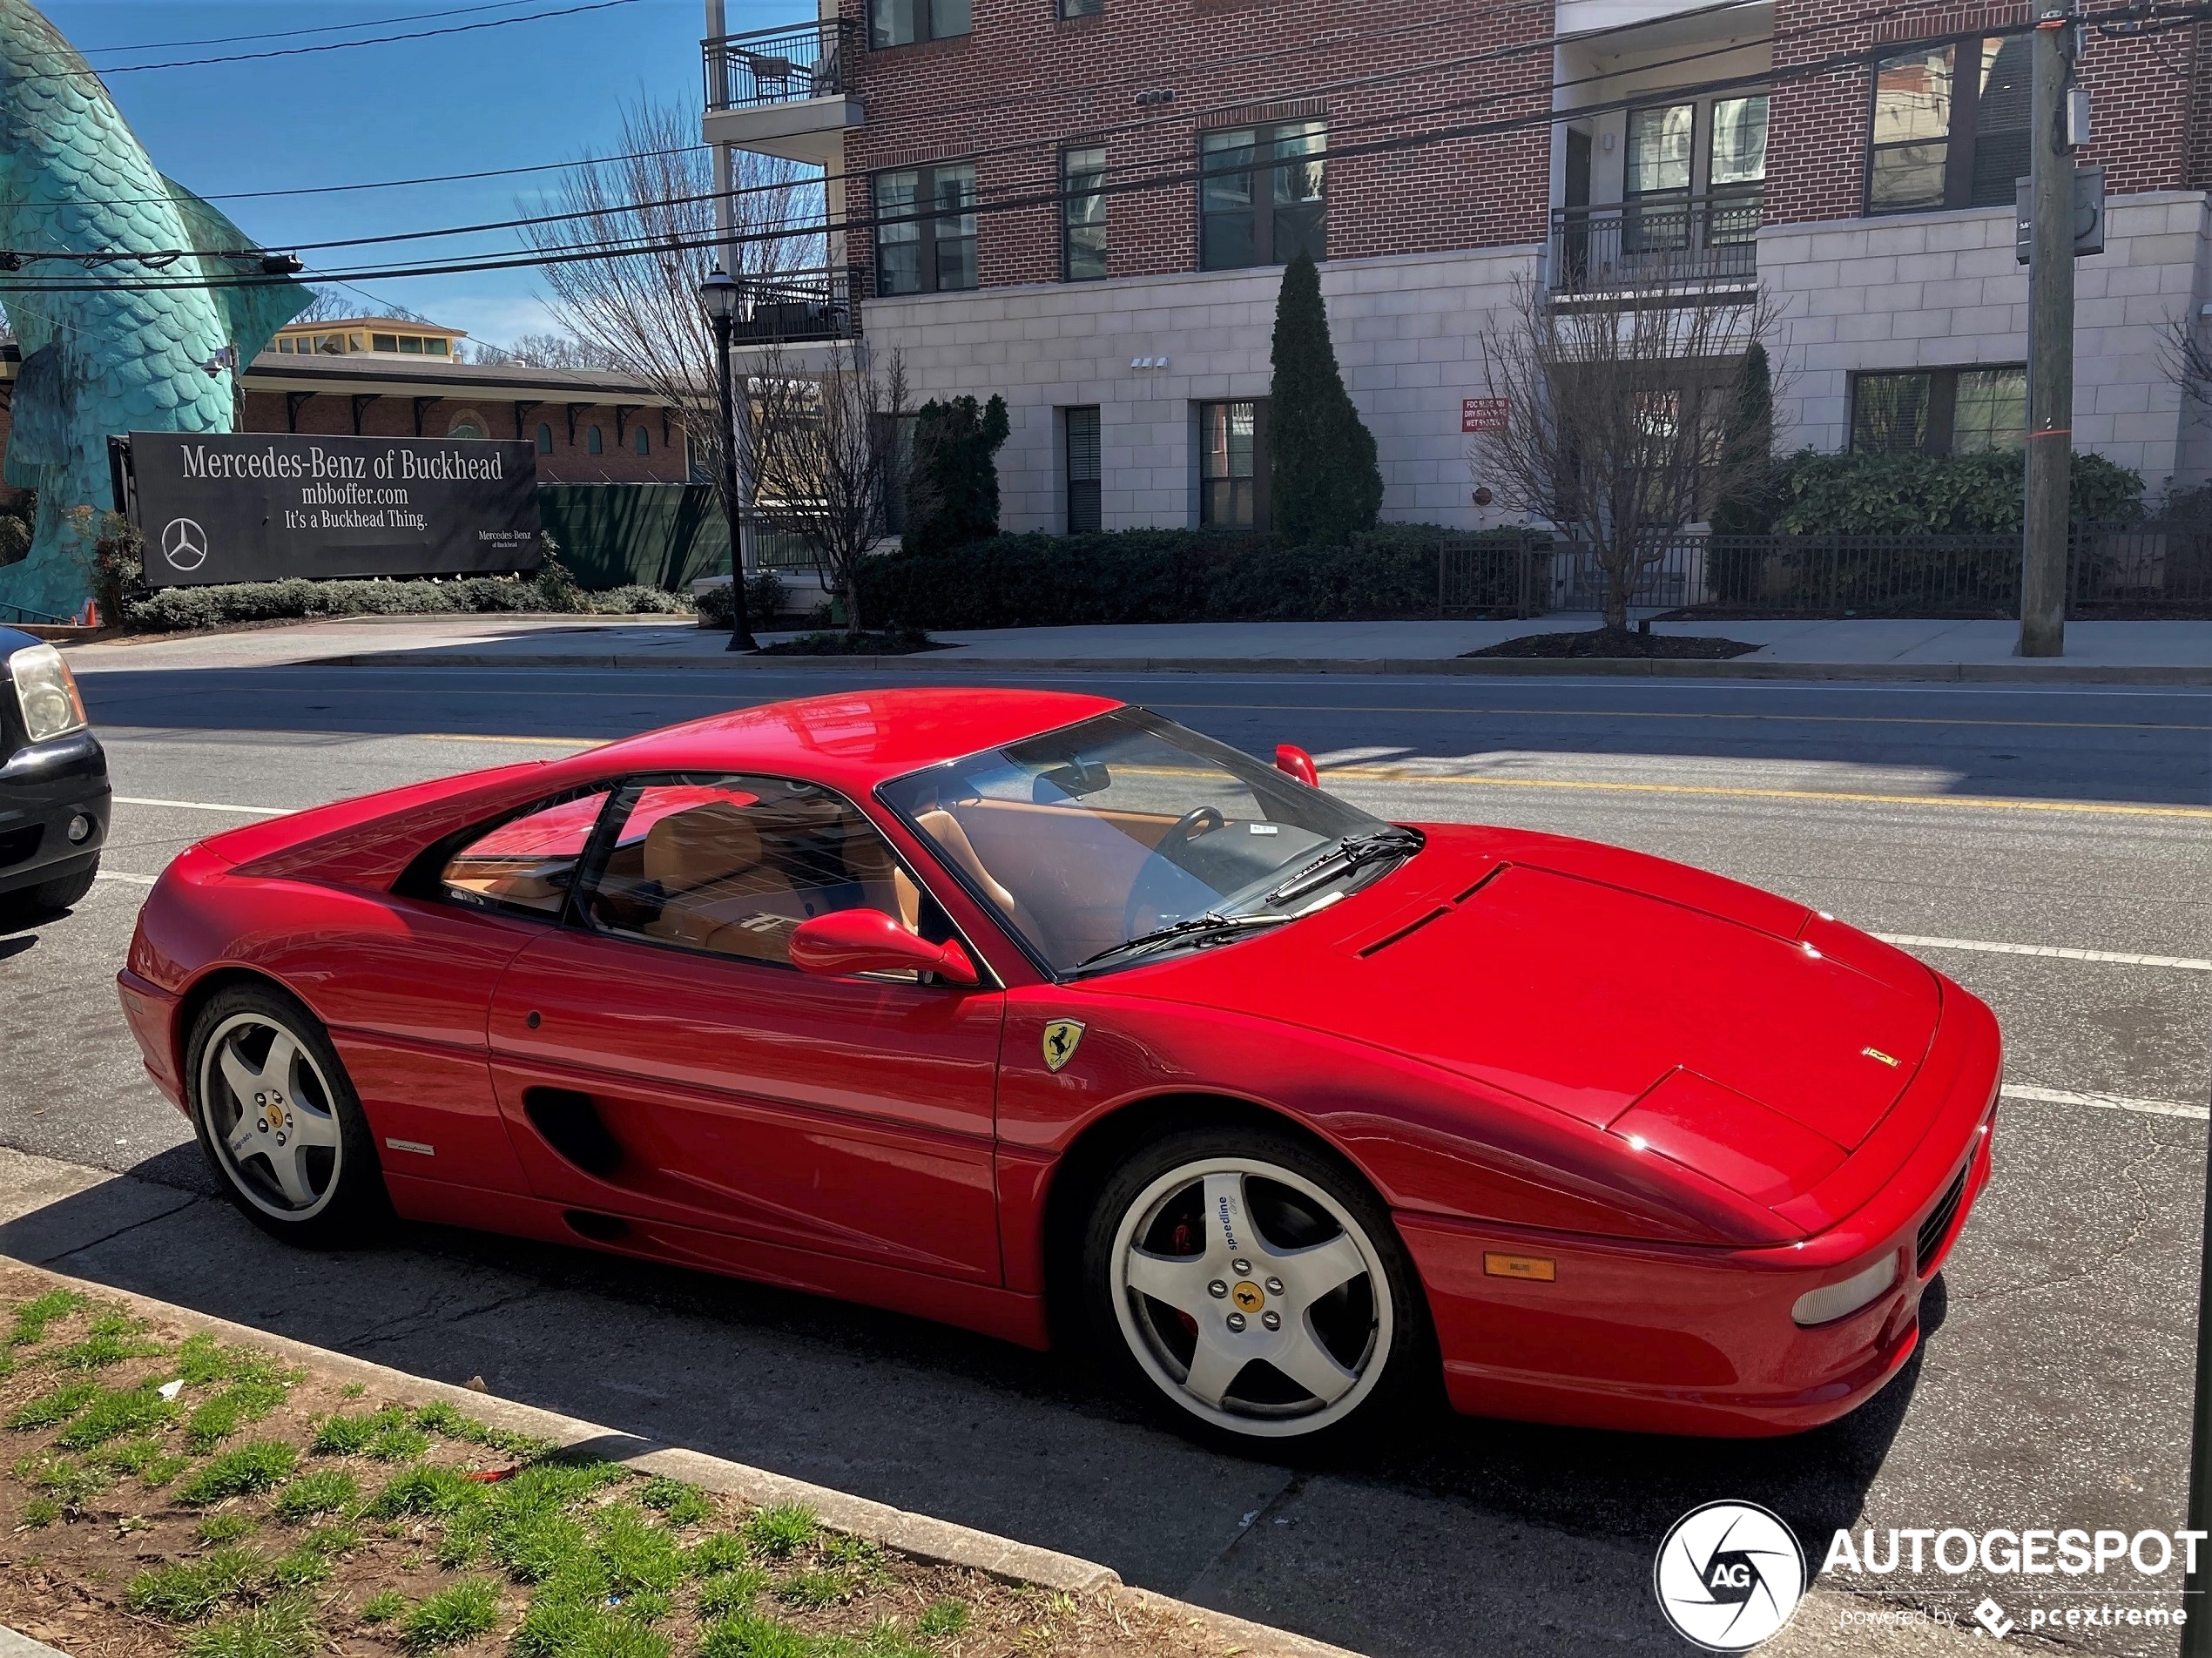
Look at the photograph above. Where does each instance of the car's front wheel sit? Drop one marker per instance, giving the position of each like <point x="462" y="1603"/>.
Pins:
<point x="278" y="1119"/>
<point x="1256" y="1285"/>
<point x="48" y="898"/>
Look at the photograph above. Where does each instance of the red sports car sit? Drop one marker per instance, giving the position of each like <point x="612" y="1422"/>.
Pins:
<point x="1038" y="1012"/>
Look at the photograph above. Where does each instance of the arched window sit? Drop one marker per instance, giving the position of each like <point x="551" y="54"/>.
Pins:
<point x="544" y="438"/>
<point x="465" y="427"/>
<point x="641" y="443"/>
<point x="593" y="443"/>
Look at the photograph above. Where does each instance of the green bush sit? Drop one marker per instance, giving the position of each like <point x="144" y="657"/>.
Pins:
<point x="953" y="480"/>
<point x="175" y="610"/>
<point x="1139" y="575"/>
<point x="1938" y="494"/>
<point x="1326" y="484"/>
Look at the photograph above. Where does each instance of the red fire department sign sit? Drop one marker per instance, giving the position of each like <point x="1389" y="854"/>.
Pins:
<point x="1482" y="414"/>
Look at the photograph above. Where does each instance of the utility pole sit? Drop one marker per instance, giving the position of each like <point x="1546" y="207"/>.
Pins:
<point x="2050" y="337"/>
<point x="726" y="260"/>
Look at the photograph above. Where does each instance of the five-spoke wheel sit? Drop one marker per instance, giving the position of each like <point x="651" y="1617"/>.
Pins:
<point x="1252" y="1282"/>
<point x="277" y="1118"/>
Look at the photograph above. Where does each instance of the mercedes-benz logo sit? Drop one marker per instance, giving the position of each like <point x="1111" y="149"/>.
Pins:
<point x="183" y="543"/>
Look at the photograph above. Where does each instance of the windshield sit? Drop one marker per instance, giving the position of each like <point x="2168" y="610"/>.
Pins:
<point x="1109" y="831"/>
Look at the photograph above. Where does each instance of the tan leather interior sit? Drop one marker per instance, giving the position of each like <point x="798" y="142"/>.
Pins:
<point x="720" y="891"/>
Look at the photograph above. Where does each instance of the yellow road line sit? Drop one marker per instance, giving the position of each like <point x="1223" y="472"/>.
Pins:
<point x="1658" y="713"/>
<point x="1980" y="803"/>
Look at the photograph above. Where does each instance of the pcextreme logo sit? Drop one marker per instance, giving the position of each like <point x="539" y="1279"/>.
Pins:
<point x="1729" y="1575"/>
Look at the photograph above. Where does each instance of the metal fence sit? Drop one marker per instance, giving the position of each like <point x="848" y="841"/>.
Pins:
<point x="2119" y="572"/>
<point x="783" y="65"/>
<point x="796" y="306"/>
<point x="1666" y="242"/>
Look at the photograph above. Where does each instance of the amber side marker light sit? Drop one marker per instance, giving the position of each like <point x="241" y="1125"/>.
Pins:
<point x="1540" y="1268"/>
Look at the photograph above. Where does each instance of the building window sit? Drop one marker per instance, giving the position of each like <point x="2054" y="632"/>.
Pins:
<point x="1259" y="195"/>
<point x="593" y="443"/>
<point x="383" y="342"/>
<point x="1082" y="242"/>
<point x="1939" y="411"/>
<point x="1083" y="515"/>
<point x="1232" y="465"/>
<point x="544" y="438"/>
<point x="641" y="442"/>
<point x="1082" y="8"/>
<point x="925" y="237"/>
<point x="900" y="23"/>
<point x="1950" y="126"/>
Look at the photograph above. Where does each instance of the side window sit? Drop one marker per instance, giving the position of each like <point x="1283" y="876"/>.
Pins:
<point x="526" y="864"/>
<point x="730" y="866"/>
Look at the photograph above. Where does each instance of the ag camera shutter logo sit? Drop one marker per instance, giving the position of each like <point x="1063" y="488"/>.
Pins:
<point x="1729" y="1575"/>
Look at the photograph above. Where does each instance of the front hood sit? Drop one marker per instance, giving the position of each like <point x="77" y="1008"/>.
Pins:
<point x="1688" y="1016"/>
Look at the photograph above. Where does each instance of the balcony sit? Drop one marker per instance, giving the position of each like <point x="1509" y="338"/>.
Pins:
<point x="1677" y="242"/>
<point x="795" y="307"/>
<point x="783" y="91"/>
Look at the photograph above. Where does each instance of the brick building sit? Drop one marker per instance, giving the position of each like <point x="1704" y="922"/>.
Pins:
<point x="1086" y="203"/>
<point x="588" y="426"/>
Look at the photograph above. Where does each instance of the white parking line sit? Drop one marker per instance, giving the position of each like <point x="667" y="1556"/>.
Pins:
<point x="2106" y="1102"/>
<point x="2125" y="958"/>
<point x="207" y="805"/>
<point x="134" y="880"/>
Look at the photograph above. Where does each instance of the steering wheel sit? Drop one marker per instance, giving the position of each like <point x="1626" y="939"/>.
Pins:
<point x="1148" y="892"/>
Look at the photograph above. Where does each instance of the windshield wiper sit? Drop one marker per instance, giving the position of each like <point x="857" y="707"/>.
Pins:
<point x="1193" y="928"/>
<point x="1347" y="854"/>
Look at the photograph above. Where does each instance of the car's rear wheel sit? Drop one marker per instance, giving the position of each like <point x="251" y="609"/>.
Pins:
<point x="278" y="1120"/>
<point x="1255" y="1285"/>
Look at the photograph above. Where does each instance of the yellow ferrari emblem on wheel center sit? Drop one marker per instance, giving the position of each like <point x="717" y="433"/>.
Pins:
<point x="1248" y="1296"/>
<point x="1061" y="1038"/>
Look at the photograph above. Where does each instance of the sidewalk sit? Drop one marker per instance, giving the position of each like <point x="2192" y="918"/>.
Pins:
<point x="2097" y="652"/>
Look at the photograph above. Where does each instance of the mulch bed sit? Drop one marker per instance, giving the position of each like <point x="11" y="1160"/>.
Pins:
<point x="891" y="642"/>
<point x="258" y="1510"/>
<point x="1601" y="643"/>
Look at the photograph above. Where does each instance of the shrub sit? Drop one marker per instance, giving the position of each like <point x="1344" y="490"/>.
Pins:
<point x="174" y="609"/>
<point x="236" y="1473"/>
<point x="1140" y="576"/>
<point x="953" y="480"/>
<point x="1944" y="494"/>
<point x="1327" y="486"/>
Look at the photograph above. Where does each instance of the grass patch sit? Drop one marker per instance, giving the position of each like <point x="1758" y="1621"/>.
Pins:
<point x="240" y="1473"/>
<point x="226" y="1528"/>
<point x="283" y="1626"/>
<point x="535" y="1545"/>
<point x="458" y="1613"/>
<point x="778" y="1533"/>
<point x="231" y="1409"/>
<point x="160" y="1471"/>
<point x="679" y="1503"/>
<point x="383" y="1607"/>
<point x="323" y="1492"/>
<point x="942" y="1620"/>
<point x="724" y="1552"/>
<point x="32" y="1317"/>
<point x="423" y="1489"/>
<point x="115" y="1412"/>
<point x="188" y="1590"/>
<point x="814" y="1590"/>
<point x="52" y="1408"/>
<point x="384" y="1436"/>
<point x="726" y="1592"/>
<point x="113" y="1338"/>
<point x="301" y="1566"/>
<point x="750" y="1636"/>
<point x="639" y="1556"/>
<point x="69" y="1482"/>
<point x="40" y="1512"/>
<point x="332" y="1541"/>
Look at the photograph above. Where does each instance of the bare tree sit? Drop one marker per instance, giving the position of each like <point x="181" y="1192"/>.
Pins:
<point x="820" y="441"/>
<point x="546" y="350"/>
<point x="1623" y="416"/>
<point x="331" y="304"/>
<point x="640" y="313"/>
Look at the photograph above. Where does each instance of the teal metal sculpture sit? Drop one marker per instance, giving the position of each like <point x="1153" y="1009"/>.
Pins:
<point x="135" y="347"/>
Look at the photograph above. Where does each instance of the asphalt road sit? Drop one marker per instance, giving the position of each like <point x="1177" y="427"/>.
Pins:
<point x="2052" y="1388"/>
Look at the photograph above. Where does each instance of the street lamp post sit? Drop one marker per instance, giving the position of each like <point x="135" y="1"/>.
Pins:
<point x="719" y="295"/>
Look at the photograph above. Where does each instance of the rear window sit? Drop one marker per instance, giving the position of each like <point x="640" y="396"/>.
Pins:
<point x="527" y="863"/>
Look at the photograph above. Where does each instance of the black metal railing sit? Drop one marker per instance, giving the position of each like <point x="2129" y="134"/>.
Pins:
<point x="797" y="305"/>
<point x="771" y="545"/>
<point x="784" y="65"/>
<point x="2109" y="572"/>
<point x="1670" y="241"/>
<point x="1494" y="574"/>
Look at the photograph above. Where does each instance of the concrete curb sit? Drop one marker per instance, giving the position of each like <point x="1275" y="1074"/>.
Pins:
<point x="925" y="1538"/>
<point x="14" y="1646"/>
<point x="1479" y="667"/>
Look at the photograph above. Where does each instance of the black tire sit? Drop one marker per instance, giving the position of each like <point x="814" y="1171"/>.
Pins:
<point x="1304" y="1213"/>
<point x="311" y="1122"/>
<point x="48" y="898"/>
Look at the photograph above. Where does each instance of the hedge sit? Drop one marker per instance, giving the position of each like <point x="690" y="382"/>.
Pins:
<point x="1936" y="495"/>
<point x="175" y="610"/>
<point x="1135" y="575"/>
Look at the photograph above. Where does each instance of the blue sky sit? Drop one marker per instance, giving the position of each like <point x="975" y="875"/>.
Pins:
<point x="531" y="92"/>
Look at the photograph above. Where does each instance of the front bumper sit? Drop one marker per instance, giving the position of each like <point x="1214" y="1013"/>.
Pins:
<point x="43" y="786"/>
<point x="1659" y="1339"/>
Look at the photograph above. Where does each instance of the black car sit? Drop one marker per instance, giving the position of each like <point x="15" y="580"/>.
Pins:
<point x="54" y="790"/>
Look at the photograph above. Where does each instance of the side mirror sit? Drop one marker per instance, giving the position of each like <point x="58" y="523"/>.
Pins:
<point x="1293" y="761"/>
<point x="847" y="941"/>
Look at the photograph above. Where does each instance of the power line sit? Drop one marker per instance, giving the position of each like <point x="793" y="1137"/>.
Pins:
<point x="287" y="34"/>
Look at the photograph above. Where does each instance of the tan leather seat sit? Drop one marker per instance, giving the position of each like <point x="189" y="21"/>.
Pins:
<point x="885" y="886"/>
<point x="719" y="892"/>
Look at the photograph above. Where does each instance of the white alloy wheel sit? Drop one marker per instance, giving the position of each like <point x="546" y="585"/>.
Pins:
<point x="1251" y="1297"/>
<point x="271" y="1118"/>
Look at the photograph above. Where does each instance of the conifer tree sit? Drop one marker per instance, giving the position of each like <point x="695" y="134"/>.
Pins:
<point x="1323" y="479"/>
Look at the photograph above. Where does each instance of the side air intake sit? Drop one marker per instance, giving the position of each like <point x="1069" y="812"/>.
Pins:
<point x="572" y="1126"/>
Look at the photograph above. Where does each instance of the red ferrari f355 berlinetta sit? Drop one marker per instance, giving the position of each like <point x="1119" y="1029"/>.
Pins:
<point x="1041" y="1015"/>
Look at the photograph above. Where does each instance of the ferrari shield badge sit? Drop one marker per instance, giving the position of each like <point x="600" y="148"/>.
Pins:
<point x="1061" y="1038"/>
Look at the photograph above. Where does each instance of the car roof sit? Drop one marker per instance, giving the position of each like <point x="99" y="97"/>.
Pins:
<point x="856" y="740"/>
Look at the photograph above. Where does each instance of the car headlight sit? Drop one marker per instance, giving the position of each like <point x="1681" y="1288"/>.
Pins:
<point x="46" y="691"/>
<point x="1834" y="1301"/>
